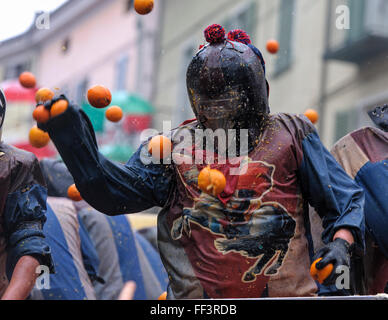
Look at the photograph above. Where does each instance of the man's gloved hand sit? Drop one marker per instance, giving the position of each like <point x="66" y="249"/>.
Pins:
<point x="336" y="253"/>
<point x="56" y="107"/>
<point x="64" y="115"/>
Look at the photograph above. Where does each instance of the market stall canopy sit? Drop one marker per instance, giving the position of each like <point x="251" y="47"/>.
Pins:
<point x="136" y="109"/>
<point x="41" y="153"/>
<point x="14" y="92"/>
<point x="120" y="153"/>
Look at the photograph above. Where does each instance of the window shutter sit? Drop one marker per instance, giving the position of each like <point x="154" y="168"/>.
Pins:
<point x="286" y="22"/>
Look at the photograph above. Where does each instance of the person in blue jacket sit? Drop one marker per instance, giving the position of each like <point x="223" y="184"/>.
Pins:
<point x="363" y="154"/>
<point x="254" y="238"/>
<point x="23" y="247"/>
<point x="73" y="252"/>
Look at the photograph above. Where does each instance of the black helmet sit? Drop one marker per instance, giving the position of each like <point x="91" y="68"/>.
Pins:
<point x="226" y="83"/>
<point x="3" y="105"/>
<point x="380" y="117"/>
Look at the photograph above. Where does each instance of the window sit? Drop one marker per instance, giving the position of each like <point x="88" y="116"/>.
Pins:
<point x="345" y="122"/>
<point x="13" y="71"/>
<point x="357" y="9"/>
<point x="285" y="33"/>
<point x="244" y="19"/>
<point x="121" y="73"/>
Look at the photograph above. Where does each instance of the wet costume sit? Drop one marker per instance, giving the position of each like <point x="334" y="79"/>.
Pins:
<point x="22" y="209"/>
<point x="364" y="156"/>
<point x="254" y="238"/>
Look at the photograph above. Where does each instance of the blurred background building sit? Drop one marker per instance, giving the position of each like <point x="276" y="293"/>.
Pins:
<point x="86" y="42"/>
<point x="333" y="57"/>
<point x="338" y="69"/>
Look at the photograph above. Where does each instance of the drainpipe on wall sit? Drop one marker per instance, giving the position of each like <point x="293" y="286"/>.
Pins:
<point x="324" y="73"/>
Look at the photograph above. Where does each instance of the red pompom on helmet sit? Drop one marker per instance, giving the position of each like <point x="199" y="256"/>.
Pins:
<point x="239" y="35"/>
<point x="214" y="33"/>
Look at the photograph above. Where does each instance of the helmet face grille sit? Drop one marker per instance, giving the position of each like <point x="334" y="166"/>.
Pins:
<point x="227" y="71"/>
<point x="3" y="105"/>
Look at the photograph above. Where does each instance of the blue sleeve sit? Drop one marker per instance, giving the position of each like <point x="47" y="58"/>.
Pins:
<point x="334" y="195"/>
<point x="111" y="188"/>
<point x="24" y="217"/>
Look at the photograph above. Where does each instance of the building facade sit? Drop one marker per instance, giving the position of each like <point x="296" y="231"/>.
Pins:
<point x="316" y="66"/>
<point x="85" y="43"/>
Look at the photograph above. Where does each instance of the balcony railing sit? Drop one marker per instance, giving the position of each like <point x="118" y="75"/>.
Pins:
<point x="357" y="30"/>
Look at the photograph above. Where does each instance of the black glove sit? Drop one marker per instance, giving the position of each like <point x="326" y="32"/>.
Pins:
<point x="48" y="105"/>
<point x="337" y="253"/>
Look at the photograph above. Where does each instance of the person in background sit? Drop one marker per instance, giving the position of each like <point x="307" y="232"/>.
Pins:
<point x="73" y="253"/>
<point x="363" y="154"/>
<point x="23" y="246"/>
<point x="122" y="254"/>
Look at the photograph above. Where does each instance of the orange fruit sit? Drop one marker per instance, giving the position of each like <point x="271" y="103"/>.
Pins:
<point x="73" y="193"/>
<point x="163" y="296"/>
<point x="320" y="275"/>
<point x="160" y="147"/>
<point x="272" y="46"/>
<point x="41" y="114"/>
<point x="143" y="6"/>
<point x="99" y="96"/>
<point x="312" y="115"/>
<point x="211" y="181"/>
<point x="43" y="95"/>
<point x="27" y="79"/>
<point x="114" y="114"/>
<point x="58" y="107"/>
<point x="38" y="138"/>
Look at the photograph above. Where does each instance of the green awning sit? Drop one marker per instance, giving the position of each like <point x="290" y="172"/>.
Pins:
<point x="120" y="153"/>
<point x="131" y="103"/>
<point x="128" y="102"/>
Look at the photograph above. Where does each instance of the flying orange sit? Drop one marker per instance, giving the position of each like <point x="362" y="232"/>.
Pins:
<point x="211" y="181"/>
<point x="38" y="138"/>
<point x="272" y="46"/>
<point x="312" y="115"/>
<point x="143" y="6"/>
<point x="99" y="96"/>
<point x="27" y="79"/>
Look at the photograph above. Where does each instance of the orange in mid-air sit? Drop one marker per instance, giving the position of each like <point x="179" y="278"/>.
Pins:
<point x="73" y="193"/>
<point x="114" y="113"/>
<point x="320" y="275"/>
<point x="43" y="95"/>
<point x="163" y="296"/>
<point x="211" y="181"/>
<point x="58" y="107"/>
<point x="38" y="138"/>
<point x="312" y="115"/>
<point x="272" y="46"/>
<point x="27" y="79"/>
<point x="99" y="96"/>
<point x="143" y="6"/>
<point x="41" y="114"/>
<point x="160" y="147"/>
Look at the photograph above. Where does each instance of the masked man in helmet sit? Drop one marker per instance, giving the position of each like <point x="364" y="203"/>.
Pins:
<point x="253" y="239"/>
<point x="23" y="248"/>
